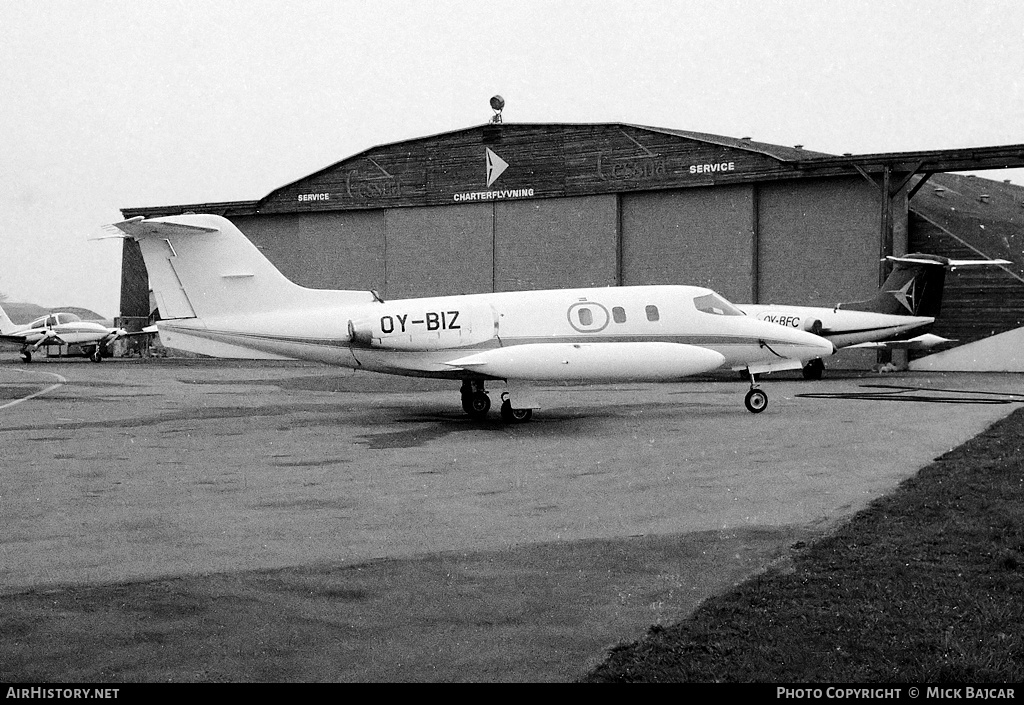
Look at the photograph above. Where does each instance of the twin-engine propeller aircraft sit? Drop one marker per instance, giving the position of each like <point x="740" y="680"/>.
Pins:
<point x="61" y="328"/>
<point x="899" y="316"/>
<point x="219" y="296"/>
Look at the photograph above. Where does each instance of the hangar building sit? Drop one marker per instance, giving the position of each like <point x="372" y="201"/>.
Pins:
<point x="502" y="207"/>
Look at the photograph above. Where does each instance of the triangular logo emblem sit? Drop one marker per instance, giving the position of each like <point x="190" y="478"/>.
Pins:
<point x="496" y="166"/>
<point x="907" y="295"/>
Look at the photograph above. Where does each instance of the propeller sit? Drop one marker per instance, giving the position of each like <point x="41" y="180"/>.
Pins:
<point x="48" y="335"/>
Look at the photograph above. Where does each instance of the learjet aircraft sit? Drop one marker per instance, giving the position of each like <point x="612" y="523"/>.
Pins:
<point x="219" y="296"/>
<point x="899" y="316"/>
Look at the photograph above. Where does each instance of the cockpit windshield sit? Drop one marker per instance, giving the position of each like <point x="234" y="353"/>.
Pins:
<point x="54" y="319"/>
<point x="715" y="304"/>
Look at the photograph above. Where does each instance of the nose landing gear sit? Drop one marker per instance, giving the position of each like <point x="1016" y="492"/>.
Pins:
<point x="756" y="400"/>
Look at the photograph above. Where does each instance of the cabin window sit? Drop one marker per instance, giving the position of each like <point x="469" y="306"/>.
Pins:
<point x="716" y="305"/>
<point x="652" y="313"/>
<point x="619" y="314"/>
<point x="586" y="316"/>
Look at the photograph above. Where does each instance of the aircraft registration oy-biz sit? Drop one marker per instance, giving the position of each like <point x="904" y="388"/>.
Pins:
<point x="219" y="296"/>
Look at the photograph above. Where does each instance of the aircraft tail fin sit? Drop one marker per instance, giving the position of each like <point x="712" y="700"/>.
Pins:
<point x="913" y="288"/>
<point x="202" y="266"/>
<point x="6" y="324"/>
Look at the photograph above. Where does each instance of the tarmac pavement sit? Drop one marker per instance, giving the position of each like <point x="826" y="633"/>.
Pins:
<point x="143" y="470"/>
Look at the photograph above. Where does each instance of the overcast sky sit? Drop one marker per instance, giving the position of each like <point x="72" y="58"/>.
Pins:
<point x="107" y="105"/>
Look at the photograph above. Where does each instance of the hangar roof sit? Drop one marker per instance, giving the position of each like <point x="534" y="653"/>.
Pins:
<point x="984" y="216"/>
<point x="545" y="160"/>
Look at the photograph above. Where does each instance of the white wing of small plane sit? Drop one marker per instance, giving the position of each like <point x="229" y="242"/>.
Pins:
<point x="222" y="297"/>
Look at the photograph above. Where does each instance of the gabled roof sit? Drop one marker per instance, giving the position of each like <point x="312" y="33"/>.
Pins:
<point x="984" y="215"/>
<point x="771" y="150"/>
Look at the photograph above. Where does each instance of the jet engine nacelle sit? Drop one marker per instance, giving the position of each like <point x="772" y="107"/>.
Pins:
<point x="408" y="326"/>
<point x="811" y="325"/>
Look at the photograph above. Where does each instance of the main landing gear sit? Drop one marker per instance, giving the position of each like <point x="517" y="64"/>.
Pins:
<point x="756" y="400"/>
<point x="476" y="403"/>
<point x="814" y="368"/>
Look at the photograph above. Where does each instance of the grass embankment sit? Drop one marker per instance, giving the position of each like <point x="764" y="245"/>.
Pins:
<point x="925" y="585"/>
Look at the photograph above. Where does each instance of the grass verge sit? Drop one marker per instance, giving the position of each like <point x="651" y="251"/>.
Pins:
<point x="924" y="585"/>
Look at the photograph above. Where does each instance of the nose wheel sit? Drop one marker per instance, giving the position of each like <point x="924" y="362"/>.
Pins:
<point x="756" y="400"/>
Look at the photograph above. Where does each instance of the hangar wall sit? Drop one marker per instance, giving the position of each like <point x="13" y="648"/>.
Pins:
<point x="337" y="250"/>
<point x="785" y="242"/>
<point x="556" y="243"/>
<point x="818" y="242"/>
<point x="703" y="237"/>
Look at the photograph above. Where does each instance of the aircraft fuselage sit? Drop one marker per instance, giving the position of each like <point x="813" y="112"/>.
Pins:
<point x="423" y="336"/>
<point x="841" y="326"/>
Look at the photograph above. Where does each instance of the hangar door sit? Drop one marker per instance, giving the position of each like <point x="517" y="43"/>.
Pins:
<point x="700" y="236"/>
<point x="555" y="243"/>
<point x="332" y="250"/>
<point x="439" y="251"/>
<point x="818" y="242"/>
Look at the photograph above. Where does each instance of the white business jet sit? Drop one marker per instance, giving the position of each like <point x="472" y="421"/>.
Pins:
<point x="59" y="328"/>
<point x="898" y="317"/>
<point x="219" y="296"/>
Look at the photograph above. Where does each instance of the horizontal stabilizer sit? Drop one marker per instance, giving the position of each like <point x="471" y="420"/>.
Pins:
<point x="139" y="227"/>
<point x="592" y="361"/>
<point x="921" y="342"/>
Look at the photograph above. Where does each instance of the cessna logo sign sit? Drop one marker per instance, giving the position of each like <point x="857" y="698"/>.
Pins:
<point x="495" y="166"/>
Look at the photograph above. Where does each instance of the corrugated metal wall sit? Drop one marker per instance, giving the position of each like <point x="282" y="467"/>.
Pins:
<point x="555" y="243"/>
<point x="441" y="250"/>
<point x="334" y="250"/>
<point x="702" y="237"/>
<point x="818" y="241"/>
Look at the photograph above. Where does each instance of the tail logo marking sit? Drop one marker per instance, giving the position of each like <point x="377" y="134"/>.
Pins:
<point x="907" y="295"/>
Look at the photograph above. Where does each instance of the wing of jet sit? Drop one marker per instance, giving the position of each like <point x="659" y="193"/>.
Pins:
<point x="220" y="296"/>
<point x="898" y="317"/>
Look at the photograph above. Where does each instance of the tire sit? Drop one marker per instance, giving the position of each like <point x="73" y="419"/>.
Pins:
<point x="756" y="401"/>
<point x="476" y="404"/>
<point x="511" y="415"/>
<point x="814" y="369"/>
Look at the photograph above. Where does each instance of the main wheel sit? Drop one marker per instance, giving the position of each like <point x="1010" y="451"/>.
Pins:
<point x="26" y="356"/>
<point x="813" y="369"/>
<point x="95" y="356"/>
<point x="476" y="404"/>
<point x="511" y="415"/>
<point x="756" y="401"/>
